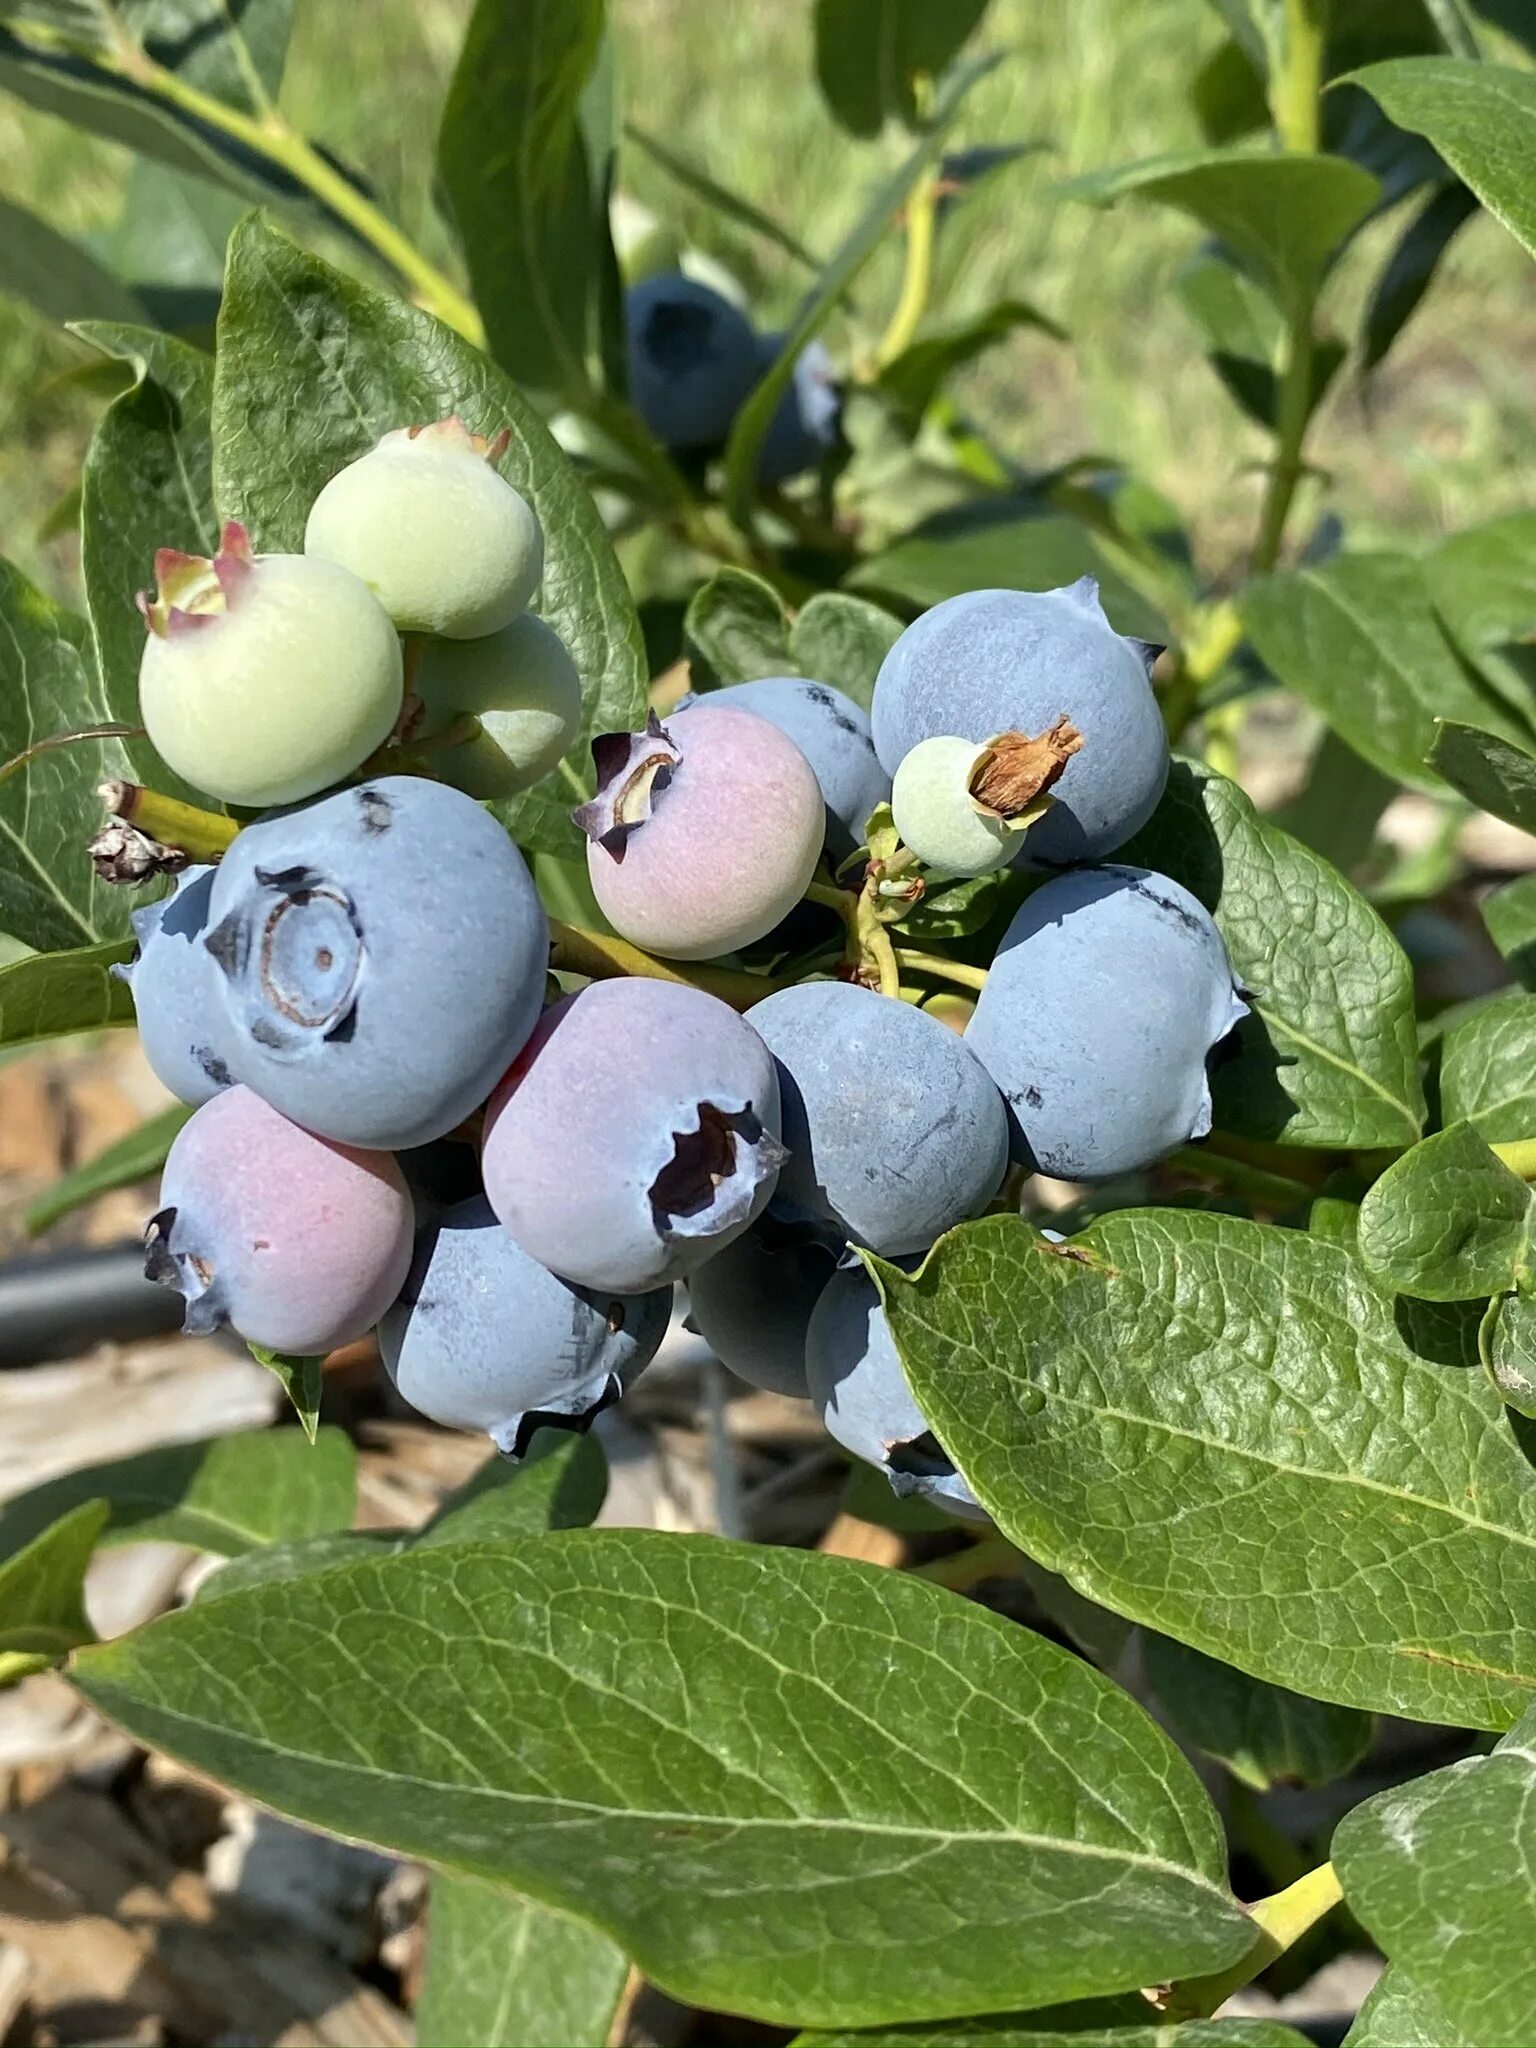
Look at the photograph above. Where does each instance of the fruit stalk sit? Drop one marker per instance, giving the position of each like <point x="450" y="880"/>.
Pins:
<point x="601" y="958"/>
<point x="200" y="835"/>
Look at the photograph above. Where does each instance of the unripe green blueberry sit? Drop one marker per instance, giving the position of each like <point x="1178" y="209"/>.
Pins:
<point x="523" y="690"/>
<point x="434" y="530"/>
<point x="265" y="678"/>
<point x="961" y="807"/>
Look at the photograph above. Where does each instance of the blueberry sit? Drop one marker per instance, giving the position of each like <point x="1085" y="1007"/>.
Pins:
<point x="175" y="986"/>
<point x="894" y="1130"/>
<point x="637" y="1134"/>
<point x="485" y="1338"/>
<point x="434" y="529"/>
<point x="832" y="733"/>
<point x="296" y="1243"/>
<point x="1003" y="661"/>
<point x="522" y="688"/>
<point x="383" y="957"/>
<point x="703" y="833"/>
<point x="265" y="678"/>
<point x="857" y="1384"/>
<point x="692" y="360"/>
<point x="805" y="422"/>
<point x="752" y="1302"/>
<point x="1110" y="987"/>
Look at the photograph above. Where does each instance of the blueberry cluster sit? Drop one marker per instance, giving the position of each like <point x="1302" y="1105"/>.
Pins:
<point x="404" y="1123"/>
<point x="693" y="357"/>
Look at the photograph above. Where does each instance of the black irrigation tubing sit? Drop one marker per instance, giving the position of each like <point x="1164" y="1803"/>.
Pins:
<point x="55" y="1304"/>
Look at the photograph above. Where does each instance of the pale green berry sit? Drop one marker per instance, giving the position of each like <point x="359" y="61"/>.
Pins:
<point x="265" y="678"/>
<point x="434" y="529"/>
<point x="962" y="808"/>
<point x="521" y="688"/>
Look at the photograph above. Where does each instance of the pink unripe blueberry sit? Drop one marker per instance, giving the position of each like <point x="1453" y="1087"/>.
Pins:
<point x="297" y="1243"/>
<point x="265" y="678"/>
<point x="703" y="834"/>
<point x="433" y="528"/>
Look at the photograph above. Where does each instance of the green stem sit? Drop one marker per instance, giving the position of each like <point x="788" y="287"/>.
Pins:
<point x="201" y="835"/>
<point x="917" y="279"/>
<point x="1279" y="1921"/>
<point x="994" y="1557"/>
<point x="1268" y="1190"/>
<point x="1295" y="94"/>
<point x="602" y="958"/>
<point x="941" y="969"/>
<point x="270" y="136"/>
<point x="1519" y="1155"/>
<point x="1292" y="414"/>
<point x="1214" y="635"/>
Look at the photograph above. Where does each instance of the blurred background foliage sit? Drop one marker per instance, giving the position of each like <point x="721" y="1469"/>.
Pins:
<point x="1443" y="435"/>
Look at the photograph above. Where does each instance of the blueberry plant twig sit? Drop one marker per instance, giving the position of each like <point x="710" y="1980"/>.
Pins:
<point x="917" y="279"/>
<point x="271" y="136"/>
<point x="1519" y="1155"/>
<point x="935" y="964"/>
<point x="1280" y="1921"/>
<point x="603" y="958"/>
<point x="200" y="835"/>
<point x="1255" y="1183"/>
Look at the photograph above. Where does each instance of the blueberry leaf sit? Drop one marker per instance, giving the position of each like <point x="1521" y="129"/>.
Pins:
<point x="1495" y="774"/>
<point x="1480" y="117"/>
<point x="507" y="1973"/>
<point x="302" y="1380"/>
<point x="1403" y="2012"/>
<point x="1507" y="1343"/>
<point x="1448" y="1221"/>
<point x="1329" y="1055"/>
<point x="48" y="995"/>
<point x="870" y="54"/>
<point x="133" y="1158"/>
<point x="1266" y="1735"/>
<point x="842" y="640"/>
<point x="1488" y="1069"/>
<point x="312" y="368"/>
<point x="50" y="897"/>
<point x="1100" y="2024"/>
<point x="736" y="629"/>
<point x="42" y="1593"/>
<point x="667" y="1735"/>
<point x="228" y="1495"/>
<point x="55" y="275"/>
<point x="1221" y="1429"/>
<point x="1442" y="1872"/>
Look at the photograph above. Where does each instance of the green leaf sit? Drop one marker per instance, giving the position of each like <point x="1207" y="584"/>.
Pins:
<point x="303" y="1381"/>
<point x="1507" y="1343"/>
<point x="1488" y="1069"/>
<point x="147" y="484"/>
<point x="1003" y="544"/>
<point x="1283" y="216"/>
<point x="49" y="995"/>
<point x="111" y="105"/>
<point x="1483" y="585"/>
<point x="506" y="1973"/>
<point x="1510" y="915"/>
<point x="1359" y="639"/>
<point x="42" y="1594"/>
<point x="312" y="368"/>
<point x="1218" y="1428"/>
<point x="1329" y="1055"/>
<point x="870" y="55"/>
<point x="1442" y="1872"/>
<point x="1401" y="2013"/>
<point x="725" y="202"/>
<point x="1244" y="332"/>
<point x="1409" y="270"/>
<point x="1448" y="1221"/>
<point x="532" y="205"/>
<point x="919" y="373"/>
<point x="131" y="1159"/>
<point x="1080" y="2026"/>
<point x="1491" y="771"/>
<point x="227" y="1495"/>
<point x="1266" y="1735"/>
<point x="842" y="640"/>
<point x="168" y="242"/>
<point x="690" y="1742"/>
<point x="50" y="897"/>
<point x="1480" y="117"/>
<point x="736" y="629"/>
<point x="54" y="274"/>
<point x="215" y="45"/>
<point x="868" y="234"/>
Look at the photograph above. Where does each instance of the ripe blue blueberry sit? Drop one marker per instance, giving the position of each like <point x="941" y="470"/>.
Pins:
<point x="833" y="734"/>
<point x="857" y="1384"/>
<point x="1109" y="989"/>
<point x="752" y="1302"/>
<point x="484" y="1337"/>
<point x="297" y="1243"/>
<point x="383" y="956"/>
<point x="1006" y="661"/>
<point x="804" y="426"/>
<point x="637" y="1134"/>
<point x="692" y="360"/>
<point x="894" y="1130"/>
<point x="175" y="986"/>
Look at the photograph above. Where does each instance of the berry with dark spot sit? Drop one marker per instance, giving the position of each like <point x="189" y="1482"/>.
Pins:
<point x="1108" y="991"/>
<point x="692" y="360"/>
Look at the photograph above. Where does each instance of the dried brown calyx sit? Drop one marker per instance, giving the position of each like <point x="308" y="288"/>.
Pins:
<point x="1014" y="771"/>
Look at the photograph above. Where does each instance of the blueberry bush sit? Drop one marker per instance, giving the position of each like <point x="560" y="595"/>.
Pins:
<point x="513" y="975"/>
